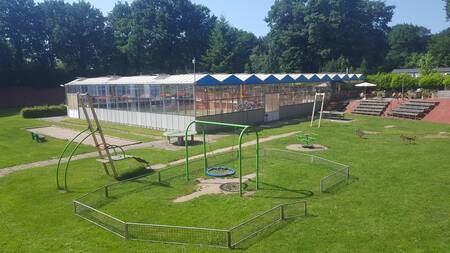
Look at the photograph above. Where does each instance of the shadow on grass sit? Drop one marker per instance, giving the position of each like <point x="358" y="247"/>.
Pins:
<point x="300" y="194"/>
<point x="141" y="171"/>
<point x="337" y="187"/>
<point x="266" y="233"/>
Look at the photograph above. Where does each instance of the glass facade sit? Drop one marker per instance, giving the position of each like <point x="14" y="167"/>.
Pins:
<point x="178" y="99"/>
<point x="163" y="99"/>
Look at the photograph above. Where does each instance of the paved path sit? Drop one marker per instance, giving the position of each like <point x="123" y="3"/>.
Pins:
<point x="9" y="170"/>
<point x="69" y="134"/>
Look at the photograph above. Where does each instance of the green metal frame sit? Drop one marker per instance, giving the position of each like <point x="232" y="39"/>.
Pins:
<point x="62" y="155"/>
<point x="244" y="128"/>
<point x="70" y="157"/>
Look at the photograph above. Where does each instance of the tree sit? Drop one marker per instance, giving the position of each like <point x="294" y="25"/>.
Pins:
<point x="447" y="8"/>
<point x="404" y="41"/>
<point x="77" y="36"/>
<point x="427" y="64"/>
<point x="229" y="50"/>
<point x="339" y="65"/>
<point x="161" y="35"/>
<point x="308" y="34"/>
<point x="20" y="28"/>
<point x="439" y="48"/>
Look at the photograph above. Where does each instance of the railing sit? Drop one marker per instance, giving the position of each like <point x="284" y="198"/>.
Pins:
<point x="87" y="206"/>
<point x="340" y="172"/>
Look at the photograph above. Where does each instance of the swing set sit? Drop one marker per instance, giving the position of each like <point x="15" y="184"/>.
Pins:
<point x="222" y="171"/>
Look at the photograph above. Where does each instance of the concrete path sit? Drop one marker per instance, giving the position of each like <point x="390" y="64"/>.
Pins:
<point x="68" y="134"/>
<point x="9" y="170"/>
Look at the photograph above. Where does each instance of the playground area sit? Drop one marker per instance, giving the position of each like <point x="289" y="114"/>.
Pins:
<point x="370" y="176"/>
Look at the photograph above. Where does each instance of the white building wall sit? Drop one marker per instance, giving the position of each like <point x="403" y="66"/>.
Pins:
<point x="141" y="119"/>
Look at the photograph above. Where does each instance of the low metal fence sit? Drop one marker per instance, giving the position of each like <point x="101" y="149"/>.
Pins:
<point x="87" y="206"/>
<point x="340" y="172"/>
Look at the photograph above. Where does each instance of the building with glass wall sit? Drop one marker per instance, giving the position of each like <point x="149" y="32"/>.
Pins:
<point x="173" y="101"/>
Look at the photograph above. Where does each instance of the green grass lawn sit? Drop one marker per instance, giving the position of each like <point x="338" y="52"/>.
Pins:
<point x="397" y="200"/>
<point x="16" y="145"/>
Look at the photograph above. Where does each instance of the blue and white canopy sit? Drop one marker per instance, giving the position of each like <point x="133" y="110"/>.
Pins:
<point x="218" y="79"/>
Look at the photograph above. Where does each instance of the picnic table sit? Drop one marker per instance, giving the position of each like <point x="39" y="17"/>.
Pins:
<point x="334" y="115"/>
<point x="179" y="135"/>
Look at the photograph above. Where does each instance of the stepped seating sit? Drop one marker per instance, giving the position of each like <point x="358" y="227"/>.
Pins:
<point x="371" y="107"/>
<point x="413" y="109"/>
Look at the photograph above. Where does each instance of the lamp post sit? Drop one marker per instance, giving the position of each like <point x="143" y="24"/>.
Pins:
<point x="193" y="91"/>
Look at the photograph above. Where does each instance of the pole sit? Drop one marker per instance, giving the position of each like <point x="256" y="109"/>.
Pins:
<point x="194" y="87"/>
<point x="314" y="109"/>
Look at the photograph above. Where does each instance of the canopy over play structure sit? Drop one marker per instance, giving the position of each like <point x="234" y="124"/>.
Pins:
<point x="223" y="171"/>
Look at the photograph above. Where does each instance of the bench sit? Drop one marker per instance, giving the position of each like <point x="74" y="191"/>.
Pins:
<point x="334" y="115"/>
<point x="180" y="136"/>
<point x="37" y="137"/>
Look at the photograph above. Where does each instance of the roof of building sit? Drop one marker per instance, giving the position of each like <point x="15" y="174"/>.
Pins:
<point x="217" y="79"/>
<point x="416" y="70"/>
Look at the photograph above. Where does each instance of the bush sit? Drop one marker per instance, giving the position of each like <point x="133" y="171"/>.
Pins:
<point x="403" y="80"/>
<point x="44" y="111"/>
<point x="431" y="80"/>
<point x="446" y="81"/>
<point x="383" y="81"/>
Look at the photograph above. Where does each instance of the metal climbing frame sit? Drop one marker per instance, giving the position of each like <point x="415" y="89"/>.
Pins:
<point x="244" y="128"/>
<point x="314" y="108"/>
<point x="92" y="129"/>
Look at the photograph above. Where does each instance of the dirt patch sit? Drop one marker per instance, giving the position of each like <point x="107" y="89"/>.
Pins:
<point x="212" y="186"/>
<point x="299" y="147"/>
<point x="68" y="134"/>
<point x="389" y="126"/>
<point x="370" y="132"/>
<point x="440" y="135"/>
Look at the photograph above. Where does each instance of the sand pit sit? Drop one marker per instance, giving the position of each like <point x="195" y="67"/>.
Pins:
<point x="212" y="186"/>
<point x="68" y="134"/>
<point x="299" y="147"/>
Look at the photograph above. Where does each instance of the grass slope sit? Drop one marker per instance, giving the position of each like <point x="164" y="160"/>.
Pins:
<point x="16" y="145"/>
<point x="396" y="202"/>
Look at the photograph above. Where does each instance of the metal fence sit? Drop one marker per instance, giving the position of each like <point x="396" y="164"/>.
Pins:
<point x="340" y="172"/>
<point x="87" y="206"/>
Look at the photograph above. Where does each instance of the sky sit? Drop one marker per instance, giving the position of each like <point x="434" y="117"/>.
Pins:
<point x="249" y="15"/>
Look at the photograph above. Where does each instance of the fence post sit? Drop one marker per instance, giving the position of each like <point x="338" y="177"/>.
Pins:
<point x="75" y="207"/>
<point x="158" y="175"/>
<point x="230" y="246"/>
<point x="126" y="230"/>
<point x="106" y="192"/>
<point x="282" y="217"/>
<point x="306" y="208"/>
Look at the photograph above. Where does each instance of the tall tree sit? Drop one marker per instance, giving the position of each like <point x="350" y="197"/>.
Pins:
<point x="308" y="34"/>
<point x="77" y="35"/>
<point x="439" y="48"/>
<point x="20" y="30"/>
<point x="405" y="40"/>
<point x="447" y="8"/>
<point x="229" y="50"/>
<point x="161" y="35"/>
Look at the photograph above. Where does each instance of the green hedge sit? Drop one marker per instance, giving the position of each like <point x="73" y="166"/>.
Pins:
<point x="44" y="111"/>
<point x="395" y="81"/>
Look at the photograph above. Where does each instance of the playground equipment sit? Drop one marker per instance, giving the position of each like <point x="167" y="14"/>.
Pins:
<point x="223" y="171"/>
<point x="108" y="154"/>
<point x="220" y="172"/>
<point x="307" y="139"/>
<point x="316" y="96"/>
